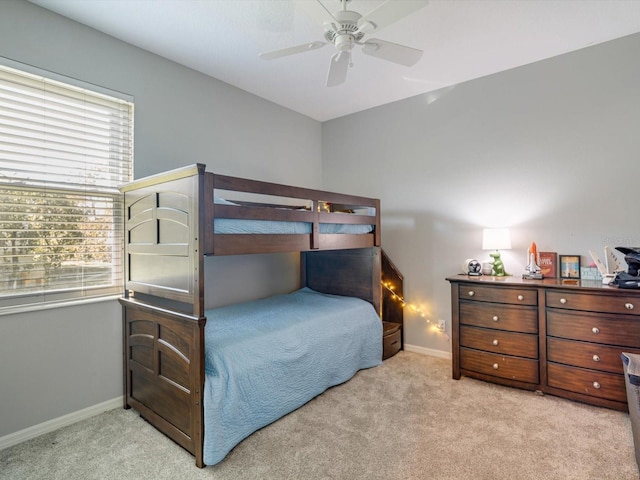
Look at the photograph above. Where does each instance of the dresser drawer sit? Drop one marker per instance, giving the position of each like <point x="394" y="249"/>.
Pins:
<point x="497" y="341"/>
<point x="587" y="355"/>
<point x="503" y="366"/>
<point x="587" y="382"/>
<point x="609" y="329"/>
<point x="502" y="317"/>
<point x="593" y="302"/>
<point x="482" y="293"/>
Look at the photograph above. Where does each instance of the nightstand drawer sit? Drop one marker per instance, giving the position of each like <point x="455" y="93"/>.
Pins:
<point x="587" y="355"/>
<point x="612" y="329"/>
<point x="497" y="341"/>
<point x="503" y="366"/>
<point x="593" y="303"/>
<point x="498" y="316"/>
<point x="391" y="339"/>
<point x="587" y="382"/>
<point x="482" y="293"/>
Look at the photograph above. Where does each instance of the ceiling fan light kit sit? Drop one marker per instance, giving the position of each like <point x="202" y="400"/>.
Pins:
<point x="347" y="28"/>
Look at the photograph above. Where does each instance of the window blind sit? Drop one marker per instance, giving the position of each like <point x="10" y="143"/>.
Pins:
<point x="64" y="151"/>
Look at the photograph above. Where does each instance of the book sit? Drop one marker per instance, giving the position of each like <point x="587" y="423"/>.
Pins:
<point x="549" y="264"/>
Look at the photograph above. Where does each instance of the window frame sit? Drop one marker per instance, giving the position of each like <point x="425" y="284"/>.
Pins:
<point x="77" y="292"/>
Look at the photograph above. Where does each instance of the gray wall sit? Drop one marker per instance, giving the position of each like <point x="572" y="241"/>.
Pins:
<point x="57" y="361"/>
<point x="551" y="150"/>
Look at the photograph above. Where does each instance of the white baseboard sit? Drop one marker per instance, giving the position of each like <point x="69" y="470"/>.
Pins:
<point x="51" y="425"/>
<point x="427" y="351"/>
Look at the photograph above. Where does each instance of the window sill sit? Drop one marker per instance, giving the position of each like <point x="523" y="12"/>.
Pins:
<point x="50" y="305"/>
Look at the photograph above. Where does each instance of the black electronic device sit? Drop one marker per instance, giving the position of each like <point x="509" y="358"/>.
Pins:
<point x="630" y="278"/>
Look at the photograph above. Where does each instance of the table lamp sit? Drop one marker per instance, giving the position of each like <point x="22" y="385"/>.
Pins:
<point x="496" y="239"/>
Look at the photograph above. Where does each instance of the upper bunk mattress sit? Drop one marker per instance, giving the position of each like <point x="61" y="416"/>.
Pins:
<point x="264" y="359"/>
<point x="237" y="226"/>
<point x="228" y="225"/>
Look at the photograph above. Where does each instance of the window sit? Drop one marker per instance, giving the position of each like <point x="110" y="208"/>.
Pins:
<point x="64" y="151"/>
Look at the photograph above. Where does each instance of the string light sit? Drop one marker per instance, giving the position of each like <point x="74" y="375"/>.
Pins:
<point x="403" y="303"/>
<point x="394" y="295"/>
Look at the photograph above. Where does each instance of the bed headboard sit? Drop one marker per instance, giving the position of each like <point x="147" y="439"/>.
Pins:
<point x="353" y="273"/>
<point x="163" y="226"/>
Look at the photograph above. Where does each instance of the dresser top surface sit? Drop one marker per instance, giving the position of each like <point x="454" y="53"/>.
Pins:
<point x="516" y="281"/>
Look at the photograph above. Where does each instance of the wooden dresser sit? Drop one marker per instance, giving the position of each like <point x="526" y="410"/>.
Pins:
<point x="545" y="336"/>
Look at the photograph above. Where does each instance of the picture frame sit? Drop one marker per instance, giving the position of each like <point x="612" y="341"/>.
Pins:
<point x="548" y="264"/>
<point x="569" y="266"/>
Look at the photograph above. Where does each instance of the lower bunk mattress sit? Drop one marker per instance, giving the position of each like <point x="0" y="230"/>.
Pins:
<point x="266" y="358"/>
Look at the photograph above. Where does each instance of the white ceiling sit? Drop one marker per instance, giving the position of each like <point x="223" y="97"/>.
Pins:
<point x="461" y="39"/>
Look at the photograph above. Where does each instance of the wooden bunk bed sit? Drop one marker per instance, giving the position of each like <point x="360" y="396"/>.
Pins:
<point x="172" y="221"/>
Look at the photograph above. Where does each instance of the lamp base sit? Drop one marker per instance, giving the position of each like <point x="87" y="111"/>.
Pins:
<point x="532" y="276"/>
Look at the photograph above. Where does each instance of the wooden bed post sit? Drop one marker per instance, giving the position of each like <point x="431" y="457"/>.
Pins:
<point x="315" y="232"/>
<point x="377" y="233"/>
<point x="199" y="236"/>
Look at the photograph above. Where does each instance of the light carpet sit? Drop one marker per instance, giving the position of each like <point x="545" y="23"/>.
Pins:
<point x="406" y="419"/>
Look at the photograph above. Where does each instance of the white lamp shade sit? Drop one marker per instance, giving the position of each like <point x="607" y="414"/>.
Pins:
<point x="496" y="239"/>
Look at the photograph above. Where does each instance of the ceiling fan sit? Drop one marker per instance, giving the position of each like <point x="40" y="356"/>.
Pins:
<point x="345" y="29"/>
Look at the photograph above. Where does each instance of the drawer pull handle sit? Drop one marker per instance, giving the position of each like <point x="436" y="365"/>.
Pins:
<point x="628" y="306"/>
<point x="563" y="301"/>
<point x="596" y="358"/>
<point x="520" y="297"/>
<point x="595" y="330"/>
<point x="496" y="366"/>
<point x="496" y="318"/>
<point x="596" y="385"/>
<point x="495" y="342"/>
<point x="471" y="293"/>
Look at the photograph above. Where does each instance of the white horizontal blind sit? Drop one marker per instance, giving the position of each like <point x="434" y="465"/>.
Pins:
<point x="64" y="151"/>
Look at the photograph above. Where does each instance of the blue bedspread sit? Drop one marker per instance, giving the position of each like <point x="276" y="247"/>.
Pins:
<point x="268" y="357"/>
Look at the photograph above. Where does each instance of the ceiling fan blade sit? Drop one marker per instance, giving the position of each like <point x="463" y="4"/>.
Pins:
<point x="316" y="10"/>
<point x="292" y="50"/>
<point x="338" y="68"/>
<point x="392" y="52"/>
<point x="389" y="12"/>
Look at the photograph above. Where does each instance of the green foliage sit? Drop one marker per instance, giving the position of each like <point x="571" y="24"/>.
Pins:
<point x="47" y="237"/>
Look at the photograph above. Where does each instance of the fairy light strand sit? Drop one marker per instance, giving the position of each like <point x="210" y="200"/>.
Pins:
<point x="403" y="303"/>
<point x="400" y="299"/>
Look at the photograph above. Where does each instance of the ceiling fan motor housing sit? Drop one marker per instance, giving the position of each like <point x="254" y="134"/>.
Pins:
<point x="344" y="35"/>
